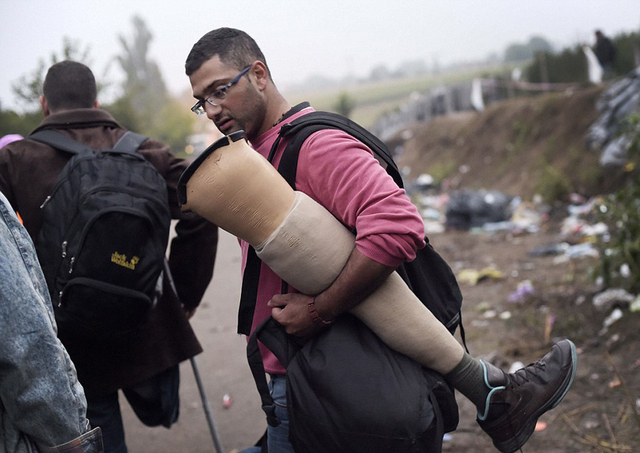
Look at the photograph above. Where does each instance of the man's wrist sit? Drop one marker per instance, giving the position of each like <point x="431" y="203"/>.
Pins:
<point x="315" y="316"/>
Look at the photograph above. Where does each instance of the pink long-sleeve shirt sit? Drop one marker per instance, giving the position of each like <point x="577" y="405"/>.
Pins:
<point x="341" y="174"/>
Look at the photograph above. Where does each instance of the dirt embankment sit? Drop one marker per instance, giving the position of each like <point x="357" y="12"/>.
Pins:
<point x="521" y="147"/>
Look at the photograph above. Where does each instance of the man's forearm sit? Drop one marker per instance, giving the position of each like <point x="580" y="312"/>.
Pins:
<point x="360" y="277"/>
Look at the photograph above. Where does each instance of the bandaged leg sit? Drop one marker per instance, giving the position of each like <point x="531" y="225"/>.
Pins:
<point x="308" y="247"/>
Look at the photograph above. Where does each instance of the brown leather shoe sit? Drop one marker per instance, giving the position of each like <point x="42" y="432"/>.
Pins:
<point x="517" y="400"/>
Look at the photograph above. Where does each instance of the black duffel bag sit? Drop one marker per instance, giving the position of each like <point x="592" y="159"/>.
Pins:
<point x="348" y="392"/>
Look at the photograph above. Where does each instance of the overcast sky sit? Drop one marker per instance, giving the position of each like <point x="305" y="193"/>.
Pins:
<point x="303" y="37"/>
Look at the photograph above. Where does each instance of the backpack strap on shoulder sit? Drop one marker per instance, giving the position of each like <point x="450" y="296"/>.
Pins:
<point x="59" y="141"/>
<point x="130" y="142"/>
<point x="315" y="121"/>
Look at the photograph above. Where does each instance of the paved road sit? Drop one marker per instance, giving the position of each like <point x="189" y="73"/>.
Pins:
<point x="223" y="368"/>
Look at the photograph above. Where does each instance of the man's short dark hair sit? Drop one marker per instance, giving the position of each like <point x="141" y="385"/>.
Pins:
<point x="234" y="47"/>
<point x="69" y="85"/>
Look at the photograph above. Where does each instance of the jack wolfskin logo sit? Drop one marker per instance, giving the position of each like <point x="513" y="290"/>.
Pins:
<point x="121" y="260"/>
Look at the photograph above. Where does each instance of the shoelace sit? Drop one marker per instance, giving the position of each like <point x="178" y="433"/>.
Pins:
<point x="520" y="376"/>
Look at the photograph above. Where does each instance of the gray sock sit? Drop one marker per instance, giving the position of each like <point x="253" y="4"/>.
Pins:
<point x="468" y="378"/>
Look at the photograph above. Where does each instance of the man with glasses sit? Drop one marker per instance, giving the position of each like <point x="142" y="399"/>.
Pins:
<point x="231" y="80"/>
<point x="144" y="364"/>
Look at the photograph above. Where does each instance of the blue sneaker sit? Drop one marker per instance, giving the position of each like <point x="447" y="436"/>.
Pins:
<point x="517" y="400"/>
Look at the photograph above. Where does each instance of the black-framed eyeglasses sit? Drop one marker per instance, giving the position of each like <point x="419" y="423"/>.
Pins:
<point x="218" y="97"/>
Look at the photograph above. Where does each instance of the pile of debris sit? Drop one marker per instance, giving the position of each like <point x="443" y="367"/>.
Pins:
<point x="619" y="101"/>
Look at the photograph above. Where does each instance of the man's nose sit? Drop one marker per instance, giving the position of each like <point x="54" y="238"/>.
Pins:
<point x="212" y="110"/>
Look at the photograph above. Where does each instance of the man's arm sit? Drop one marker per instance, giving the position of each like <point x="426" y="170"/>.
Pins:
<point x="39" y="389"/>
<point x="343" y="176"/>
<point x="360" y="277"/>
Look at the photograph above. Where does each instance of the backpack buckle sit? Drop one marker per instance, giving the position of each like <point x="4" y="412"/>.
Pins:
<point x="270" y="410"/>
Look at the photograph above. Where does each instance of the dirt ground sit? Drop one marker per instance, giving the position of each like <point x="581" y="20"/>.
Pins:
<point x="601" y="413"/>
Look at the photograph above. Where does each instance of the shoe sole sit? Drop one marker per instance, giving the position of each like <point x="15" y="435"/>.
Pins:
<point x="523" y="436"/>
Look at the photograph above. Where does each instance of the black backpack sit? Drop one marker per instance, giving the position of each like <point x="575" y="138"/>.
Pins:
<point x="104" y="235"/>
<point x="313" y="429"/>
<point x="348" y="392"/>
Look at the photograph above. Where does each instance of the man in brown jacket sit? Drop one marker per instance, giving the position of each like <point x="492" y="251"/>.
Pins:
<point x="145" y="365"/>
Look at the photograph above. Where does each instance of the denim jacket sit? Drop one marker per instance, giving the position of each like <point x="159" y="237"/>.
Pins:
<point x="42" y="404"/>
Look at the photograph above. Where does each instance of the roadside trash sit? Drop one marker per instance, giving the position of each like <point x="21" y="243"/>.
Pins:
<point x="505" y="315"/>
<point x="548" y="327"/>
<point x="549" y="249"/>
<point x="489" y="314"/>
<point x="473" y="276"/>
<point x="523" y="290"/>
<point x="635" y="305"/>
<point x="615" y="383"/>
<point x="540" y="426"/>
<point x="447" y="437"/>
<point x="577" y="251"/>
<point x="610" y="298"/>
<point x="483" y="306"/>
<point x="227" y="401"/>
<point x="625" y="270"/>
<point x="613" y="317"/>
<point x="620" y="100"/>
<point x="515" y="366"/>
<point x="467" y="208"/>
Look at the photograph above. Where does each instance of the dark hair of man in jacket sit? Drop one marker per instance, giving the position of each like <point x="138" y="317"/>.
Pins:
<point x="69" y="85"/>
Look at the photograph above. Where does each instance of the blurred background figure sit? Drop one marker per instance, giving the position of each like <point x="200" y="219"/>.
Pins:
<point x="606" y="53"/>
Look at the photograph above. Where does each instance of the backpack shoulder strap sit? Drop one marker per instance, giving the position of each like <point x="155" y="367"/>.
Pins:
<point x="59" y="141"/>
<point x="130" y="141"/>
<point x="301" y="128"/>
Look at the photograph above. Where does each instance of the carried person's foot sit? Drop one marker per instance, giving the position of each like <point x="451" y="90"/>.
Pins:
<point x="517" y="400"/>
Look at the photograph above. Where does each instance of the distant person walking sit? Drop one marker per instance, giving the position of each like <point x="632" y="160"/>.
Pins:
<point x="605" y="52"/>
<point x="144" y="363"/>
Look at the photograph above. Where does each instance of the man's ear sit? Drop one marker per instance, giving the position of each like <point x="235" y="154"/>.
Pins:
<point x="261" y="74"/>
<point x="96" y="105"/>
<point x="45" y="106"/>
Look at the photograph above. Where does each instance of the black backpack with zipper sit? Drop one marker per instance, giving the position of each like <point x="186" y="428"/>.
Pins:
<point x="103" y="238"/>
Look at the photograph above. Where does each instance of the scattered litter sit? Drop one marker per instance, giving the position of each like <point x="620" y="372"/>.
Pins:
<point x="473" y="276"/>
<point x="490" y="314"/>
<point x="625" y="271"/>
<point x="584" y="249"/>
<point x="613" y="317"/>
<point x="548" y="327"/>
<point x="590" y="425"/>
<point x="483" y="306"/>
<point x="619" y="100"/>
<point x="524" y="289"/>
<point x="505" y="315"/>
<point x="540" y="426"/>
<point x="467" y="208"/>
<point x="227" y="401"/>
<point x="549" y="249"/>
<point x="479" y="323"/>
<point x="447" y="437"/>
<point x="610" y="298"/>
<point x="613" y="340"/>
<point x="515" y="366"/>
<point x="615" y="383"/>
<point x="635" y="305"/>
